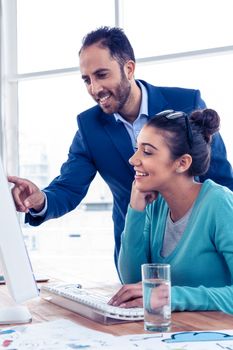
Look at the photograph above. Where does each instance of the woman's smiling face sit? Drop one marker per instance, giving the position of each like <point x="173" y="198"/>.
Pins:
<point x="152" y="161"/>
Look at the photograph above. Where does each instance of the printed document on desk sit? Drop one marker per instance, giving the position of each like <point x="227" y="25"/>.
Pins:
<point x="55" y="335"/>
<point x="194" y="340"/>
<point x="66" y="335"/>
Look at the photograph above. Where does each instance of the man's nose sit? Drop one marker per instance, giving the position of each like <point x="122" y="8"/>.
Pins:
<point x="95" y="87"/>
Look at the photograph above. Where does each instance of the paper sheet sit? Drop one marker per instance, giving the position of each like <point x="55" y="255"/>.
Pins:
<point x="63" y="335"/>
<point x="203" y="340"/>
<point x="60" y="335"/>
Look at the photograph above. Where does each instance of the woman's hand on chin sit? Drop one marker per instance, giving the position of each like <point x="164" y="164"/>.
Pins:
<point x="140" y="199"/>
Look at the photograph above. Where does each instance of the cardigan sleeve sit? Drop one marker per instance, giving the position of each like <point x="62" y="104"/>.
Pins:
<point x="212" y="298"/>
<point x="134" y="246"/>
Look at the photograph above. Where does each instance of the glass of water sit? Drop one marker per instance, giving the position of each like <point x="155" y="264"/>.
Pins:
<point x="156" y="281"/>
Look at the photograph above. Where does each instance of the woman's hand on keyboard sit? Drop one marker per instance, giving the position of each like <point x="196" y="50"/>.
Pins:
<point x="130" y="295"/>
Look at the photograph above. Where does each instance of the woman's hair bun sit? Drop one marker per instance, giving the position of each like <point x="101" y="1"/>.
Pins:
<point x="207" y="120"/>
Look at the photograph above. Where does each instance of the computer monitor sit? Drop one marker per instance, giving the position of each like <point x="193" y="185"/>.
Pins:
<point x="14" y="260"/>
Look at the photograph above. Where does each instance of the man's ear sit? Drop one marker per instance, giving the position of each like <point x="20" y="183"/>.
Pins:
<point x="183" y="163"/>
<point x="129" y="69"/>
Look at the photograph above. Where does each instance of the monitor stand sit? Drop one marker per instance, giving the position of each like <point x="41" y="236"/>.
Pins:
<point x="14" y="315"/>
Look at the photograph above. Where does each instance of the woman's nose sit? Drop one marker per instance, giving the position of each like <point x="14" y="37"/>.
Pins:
<point x="135" y="160"/>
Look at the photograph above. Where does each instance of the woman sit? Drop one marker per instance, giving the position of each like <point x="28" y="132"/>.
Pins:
<point x="174" y="219"/>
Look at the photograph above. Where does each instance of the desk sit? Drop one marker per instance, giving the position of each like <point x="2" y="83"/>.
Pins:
<point x="42" y="310"/>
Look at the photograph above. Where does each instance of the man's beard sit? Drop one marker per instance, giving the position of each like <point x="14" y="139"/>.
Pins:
<point x="120" y="96"/>
<point x="122" y="92"/>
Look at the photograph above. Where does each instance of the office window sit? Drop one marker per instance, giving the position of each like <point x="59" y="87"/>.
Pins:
<point x="50" y="31"/>
<point x="43" y="94"/>
<point x="167" y="26"/>
<point x="212" y="75"/>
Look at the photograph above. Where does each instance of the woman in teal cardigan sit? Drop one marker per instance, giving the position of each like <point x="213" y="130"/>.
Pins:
<point x="174" y="219"/>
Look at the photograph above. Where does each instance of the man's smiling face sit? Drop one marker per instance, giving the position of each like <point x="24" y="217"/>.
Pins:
<point x="105" y="79"/>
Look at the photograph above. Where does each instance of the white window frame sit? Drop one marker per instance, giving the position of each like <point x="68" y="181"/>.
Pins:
<point x="10" y="78"/>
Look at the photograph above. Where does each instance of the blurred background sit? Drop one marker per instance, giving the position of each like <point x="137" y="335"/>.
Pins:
<point x="176" y="42"/>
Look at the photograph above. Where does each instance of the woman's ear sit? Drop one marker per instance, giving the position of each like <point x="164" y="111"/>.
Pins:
<point x="183" y="163"/>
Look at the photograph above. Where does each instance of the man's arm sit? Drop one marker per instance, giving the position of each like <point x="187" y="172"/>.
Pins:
<point x="67" y="190"/>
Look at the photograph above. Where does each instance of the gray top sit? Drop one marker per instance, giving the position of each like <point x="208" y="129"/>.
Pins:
<point x="173" y="232"/>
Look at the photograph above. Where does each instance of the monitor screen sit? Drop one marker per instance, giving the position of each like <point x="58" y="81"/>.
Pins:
<point x="14" y="260"/>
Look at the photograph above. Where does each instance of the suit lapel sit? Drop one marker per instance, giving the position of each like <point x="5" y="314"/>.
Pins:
<point x="120" y="138"/>
<point x="118" y="133"/>
<point x="156" y="101"/>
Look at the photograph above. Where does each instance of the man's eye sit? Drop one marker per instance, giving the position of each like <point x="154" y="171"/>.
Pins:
<point x="102" y="75"/>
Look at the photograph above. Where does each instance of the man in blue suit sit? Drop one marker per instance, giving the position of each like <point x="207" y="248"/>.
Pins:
<point x="106" y="136"/>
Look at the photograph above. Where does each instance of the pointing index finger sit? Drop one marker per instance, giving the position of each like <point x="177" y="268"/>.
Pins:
<point x="16" y="180"/>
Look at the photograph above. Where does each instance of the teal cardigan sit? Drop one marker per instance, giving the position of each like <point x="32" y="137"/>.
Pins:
<point x="201" y="263"/>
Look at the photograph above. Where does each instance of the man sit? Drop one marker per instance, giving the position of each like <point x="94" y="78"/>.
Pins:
<point x="107" y="132"/>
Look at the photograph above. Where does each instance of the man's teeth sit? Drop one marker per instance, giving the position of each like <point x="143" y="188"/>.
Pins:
<point x="102" y="99"/>
<point x="139" y="173"/>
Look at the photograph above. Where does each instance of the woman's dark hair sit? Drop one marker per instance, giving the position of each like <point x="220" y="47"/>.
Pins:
<point x="203" y="123"/>
<point x="112" y="38"/>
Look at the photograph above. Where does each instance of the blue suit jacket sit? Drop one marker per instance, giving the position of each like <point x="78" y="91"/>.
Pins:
<point x="102" y="144"/>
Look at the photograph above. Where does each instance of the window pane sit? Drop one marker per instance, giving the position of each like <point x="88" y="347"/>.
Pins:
<point x="168" y="26"/>
<point x="80" y="244"/>
<point x="47" y="119"/>
<point x="47" y="124"/>
<point x="50" y="31"/>
<point x="212" y="75"/>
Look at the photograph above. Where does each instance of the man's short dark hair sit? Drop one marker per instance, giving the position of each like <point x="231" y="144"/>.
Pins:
<point x="112" y="38"/>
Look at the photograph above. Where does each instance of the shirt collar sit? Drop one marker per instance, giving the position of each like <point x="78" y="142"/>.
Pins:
<point x="144" y="104"/>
